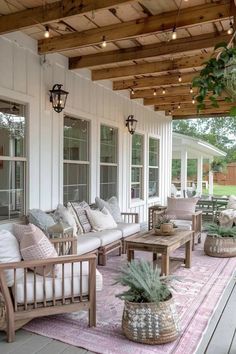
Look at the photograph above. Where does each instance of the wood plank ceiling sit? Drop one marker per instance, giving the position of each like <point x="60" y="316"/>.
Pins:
<point x="140" y="54"/>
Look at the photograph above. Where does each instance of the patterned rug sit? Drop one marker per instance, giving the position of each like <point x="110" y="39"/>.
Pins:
<point x="196" y="297"/>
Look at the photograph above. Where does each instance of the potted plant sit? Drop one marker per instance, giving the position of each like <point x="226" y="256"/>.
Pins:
<point x="220" y="241"/>
<point x="164" y="224"/>
<point x="149" y="314"/>
<point x="217" y="80"/>
<point x="218" y="165"/>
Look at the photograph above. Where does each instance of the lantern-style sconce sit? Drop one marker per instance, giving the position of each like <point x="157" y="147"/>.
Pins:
<point x="58" y="98"/>
<point x="131" y="124"/>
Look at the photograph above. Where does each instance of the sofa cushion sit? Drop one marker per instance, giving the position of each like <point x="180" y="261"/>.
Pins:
<point x="40" y="219"/>
<point x="232" y="202"/>
<point x="101" y="220"/>
<point x="106" y="236"/>
<point x="9" y="252"/>
<point x="183" y="224"/>
<point x="80" y="210"/>
<point x="62" y="213"/>
<point x="35" y="245"/>
<point x="19" y="295"/>
<point x="128" y="229"/>
<point x="86" y="244"/>
<point x="111" y="205"/>
<point x="181" y="208"/>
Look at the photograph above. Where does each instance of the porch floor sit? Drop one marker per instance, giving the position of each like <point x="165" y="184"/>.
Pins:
<point x="220" y="337"/>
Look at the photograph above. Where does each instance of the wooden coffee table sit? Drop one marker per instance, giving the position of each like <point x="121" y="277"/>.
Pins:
<point x="163" y="245"/>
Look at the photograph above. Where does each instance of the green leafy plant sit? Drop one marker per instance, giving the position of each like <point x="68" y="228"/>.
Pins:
<point x="220" y="231"/>
<point x="218" y="165"/>
<point x="211" y="81"/>
<point x="164" y="219"/>
<point x="144" y="282"/>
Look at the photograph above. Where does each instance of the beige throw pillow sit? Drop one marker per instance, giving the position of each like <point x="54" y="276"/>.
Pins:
<point x="181" y="208"/>
<point x="101" y="220"/>
<point x="35" y="245"/>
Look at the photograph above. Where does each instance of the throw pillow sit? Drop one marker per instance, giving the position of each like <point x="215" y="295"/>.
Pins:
<point x="101" y="220"/>
<point x="232" y="202"/>
<point x="10" y="252"/>
<point x="181" y="208"/>
<point x="40" y="219"/>
<point x="111" y="205"/>
<point x="80" y="210"/>
<point x="35" y="245"/>
<point x="61" y="213"/>
<point x="73" y="213"/>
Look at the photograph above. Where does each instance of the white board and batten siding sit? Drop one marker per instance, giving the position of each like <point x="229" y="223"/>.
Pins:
<point x="26" y="79"/>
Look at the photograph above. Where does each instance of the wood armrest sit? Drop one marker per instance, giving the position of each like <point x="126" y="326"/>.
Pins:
<point x="199" y="212"/>
<point x="133" y="215"/>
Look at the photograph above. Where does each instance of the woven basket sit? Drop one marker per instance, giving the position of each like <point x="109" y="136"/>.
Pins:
<point x="220" y="246"/>
<point x="150" y="323"/>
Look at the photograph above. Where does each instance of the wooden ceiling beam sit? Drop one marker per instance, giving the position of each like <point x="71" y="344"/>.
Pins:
<point x="154" y="81"/>
<point x="190" y="107"/>
<point x="183" y="90"/>
<point x="182" y="45"/>
<point x="173" y="65"/>
<point x="173" y="100"/>
<point x="189" y="16"/>
<point x="52" y="12"/>
<point x="194" y="116"/>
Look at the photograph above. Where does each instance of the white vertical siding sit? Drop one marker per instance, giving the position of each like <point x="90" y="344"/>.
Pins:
<point x="25" y="78"/>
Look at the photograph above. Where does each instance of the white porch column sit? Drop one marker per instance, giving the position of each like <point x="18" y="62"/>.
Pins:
<point x="199" y="174"/>
<point x="184" y="165"/>
<point x="211" y="178"/>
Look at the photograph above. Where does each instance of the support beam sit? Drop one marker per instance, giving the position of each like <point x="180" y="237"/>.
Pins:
<point x="52" y="12"/>
<point x="191" y="109"/>
<point x="182" y="45"/>
<point x="161" y="100"/>
<point x="184" y="169"/>
<point x="197" y="116"/>
<point x="149" y="25"/>
<point x="151" y="68"/>
<point x="211" y="178"/>
<point x="183" y="90"/>
<point x="199" y="174"/>
<point x="154" y="81"/>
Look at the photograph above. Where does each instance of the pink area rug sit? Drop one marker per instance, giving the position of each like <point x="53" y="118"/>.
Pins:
<point x="196" y="297"/>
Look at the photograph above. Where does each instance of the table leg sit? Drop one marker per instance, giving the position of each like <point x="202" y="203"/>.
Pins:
<point x="130" y="255"/>
<point x="165" y="264"/>
<point x="154" y="257"/>
<point x="188" y="253"/>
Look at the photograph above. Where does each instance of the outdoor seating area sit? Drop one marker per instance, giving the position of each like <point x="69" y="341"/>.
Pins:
<point x="117" y="177"/>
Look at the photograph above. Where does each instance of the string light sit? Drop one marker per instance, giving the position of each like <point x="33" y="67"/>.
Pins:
<point x="163" y="91"/>
<point x="155" y="92"/>
<point x="179" y="106"/>
<point x="193" y="100"/>
<point x="104" y="43"/>
<point x="169" y="112"/>
<point x="132" y="92"/>
<point x="174" y="33"/>
<point x="46" y="32"/>
<point x="231" y="28"/>
<point x="191" y="89"/>
<point x="180" y="78"/>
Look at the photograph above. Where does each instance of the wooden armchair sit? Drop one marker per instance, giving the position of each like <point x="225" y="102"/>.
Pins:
<point x="38" y="296"/>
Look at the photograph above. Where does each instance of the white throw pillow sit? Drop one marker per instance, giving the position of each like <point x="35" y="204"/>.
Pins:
<point x="101" y="220"/>
<point x="232" y="202"/>
<point x="112" y="206"/>
<point x="10" y="252"/>
<point x="62" y="213"/>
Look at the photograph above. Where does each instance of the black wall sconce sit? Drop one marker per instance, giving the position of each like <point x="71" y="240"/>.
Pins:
<point x="58" y="97"/>
<point x="131" y="124"/>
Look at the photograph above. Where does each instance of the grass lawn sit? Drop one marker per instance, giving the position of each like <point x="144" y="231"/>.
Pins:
<point x="223" y="190"/>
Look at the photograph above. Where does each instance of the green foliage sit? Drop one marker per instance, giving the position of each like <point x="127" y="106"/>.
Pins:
<point x="221" y="231"/>
<point x="211" y="81"/>
<point x="218" y="165"/>
<point x="144" y="283"/>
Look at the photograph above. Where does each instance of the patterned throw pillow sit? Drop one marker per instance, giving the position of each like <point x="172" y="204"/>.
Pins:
<point x="112" y="206"/>
<point x="80" y="210"/>
<point x="34" y="245"/>
<point x="40" y="219"/>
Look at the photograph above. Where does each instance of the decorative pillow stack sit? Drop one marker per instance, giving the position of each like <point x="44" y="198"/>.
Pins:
<point x="34" y="245"/>
<point x="112" y="206"/>
<point x="101" y="220"/>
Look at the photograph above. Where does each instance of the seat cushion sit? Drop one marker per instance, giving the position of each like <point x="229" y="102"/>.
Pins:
<point x="86" y="244"/>
<point x="183" y="224"/>
<point x="128" y="229"/>
<point x="58" y="284"/>
<point x="106" y="236"/>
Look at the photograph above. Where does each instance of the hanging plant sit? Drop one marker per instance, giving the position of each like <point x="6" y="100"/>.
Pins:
<point x="217" y="79"/>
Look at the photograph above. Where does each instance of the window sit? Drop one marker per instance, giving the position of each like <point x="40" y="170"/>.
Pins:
<point x="76" y="159"/>
<point x="12" y="160"/>
<point x="108" y="161"/>
<point x="137" y="167"/>
<point x="153" y="190"/>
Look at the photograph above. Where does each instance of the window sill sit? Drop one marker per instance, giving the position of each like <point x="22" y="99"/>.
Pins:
<point x="154" y="200"/>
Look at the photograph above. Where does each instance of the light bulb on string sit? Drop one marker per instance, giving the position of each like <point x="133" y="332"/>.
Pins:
<point x="163" y="91"/>
<point x="231" y="28"/>
<point x="155" y="92"/>
<point x="46" y="32"/>
<point x="132" y="92"/>
<point x="104" y="43"/>
<point x="191" y="89"/>
<point x="180" y="78"/>
<point x="174" y="33"/>
<point x="179" y="106"/>
<point x="193" y="100"/>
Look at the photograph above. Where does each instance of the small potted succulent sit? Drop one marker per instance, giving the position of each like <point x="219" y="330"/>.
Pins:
<point x="220" y="241"/>
<point x="149" y="314"/>
<point x="164" y="224"/>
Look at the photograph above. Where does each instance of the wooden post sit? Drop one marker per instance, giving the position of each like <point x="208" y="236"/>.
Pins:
<point x="184" y="165"/>
<point x="92" y="292"/>
<point x="199" y="174"/>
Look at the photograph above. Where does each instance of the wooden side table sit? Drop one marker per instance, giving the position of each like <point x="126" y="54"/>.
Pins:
<point x="61" y="236"/>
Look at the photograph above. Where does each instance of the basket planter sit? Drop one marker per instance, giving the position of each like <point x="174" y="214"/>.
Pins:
<point x="150" y="323"/>
<point x="215" y="246"/>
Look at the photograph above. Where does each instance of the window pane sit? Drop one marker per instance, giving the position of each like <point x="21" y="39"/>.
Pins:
<point x="12" y="129"/>
<point x="108" y="140"/>
<point x="76" y="181"/>
<point x="11" y="189"/>
<point x="137" y="149"/>
<point x="153" y="152"/>
<point x="136" y="182"/>
<point x="108" y="181"/>
<point x="76" y="137"/>
<point x="153" y="182"/>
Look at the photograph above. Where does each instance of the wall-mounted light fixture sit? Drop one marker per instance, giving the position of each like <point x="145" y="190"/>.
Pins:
<point x="131" y="124"/>
<point x="58" y="97"/>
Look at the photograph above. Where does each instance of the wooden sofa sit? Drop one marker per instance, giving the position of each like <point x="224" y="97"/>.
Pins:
<point x="35" y="296"/>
